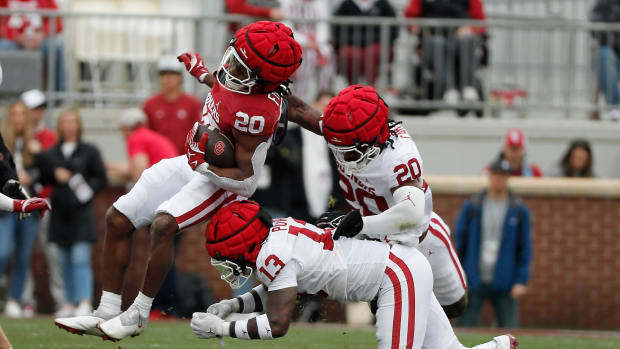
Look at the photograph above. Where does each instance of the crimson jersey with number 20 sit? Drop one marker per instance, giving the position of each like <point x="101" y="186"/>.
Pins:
<point x="369" y="190"/>
<point x="254" y="114"/>
<point x="299" y="254"/>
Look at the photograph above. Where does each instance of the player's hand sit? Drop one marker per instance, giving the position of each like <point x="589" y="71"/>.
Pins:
<point x="350" y="225"/>
<point x="329" y="219"/>
<point x="206" y="325"/>
<point x="194" y="65"/>
<point x="30" y="205"/>
<point x="195" y="151"/>
<point x="224" y="308"/>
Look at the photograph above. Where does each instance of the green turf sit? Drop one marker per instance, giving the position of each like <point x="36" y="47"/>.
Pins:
<point x="41" y="333"/>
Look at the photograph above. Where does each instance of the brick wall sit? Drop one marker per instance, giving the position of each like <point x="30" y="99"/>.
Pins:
<point x="575" y="274"/>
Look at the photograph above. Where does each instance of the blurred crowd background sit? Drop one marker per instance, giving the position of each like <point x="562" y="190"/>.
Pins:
<point x="490" y="89"/>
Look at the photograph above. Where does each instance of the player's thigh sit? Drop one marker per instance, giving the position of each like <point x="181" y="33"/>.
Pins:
<point x="196" y="202"/>
<point x="450" y="284"/>
<point x="404" y="300"/>
<point x="156" y="185"/>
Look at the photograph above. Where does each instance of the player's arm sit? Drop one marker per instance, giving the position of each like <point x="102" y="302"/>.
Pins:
<point x="407" y="213"/>
<point x="250" y="153"/>
<point x="137" y="164"/>
<point x="303" y="114"/>
<point x="23" y="206"/>
<point x="253" y="301"/>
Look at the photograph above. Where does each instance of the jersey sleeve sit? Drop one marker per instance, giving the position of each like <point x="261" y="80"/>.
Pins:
<point x="287" y="277"/>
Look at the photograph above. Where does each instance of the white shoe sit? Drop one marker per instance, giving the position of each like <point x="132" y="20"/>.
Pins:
<point x="12" y="309"/>
<point x="451" y="97"/>
<point x="84" y="308"/>
<point x="613" y="115"/>
<point x="67" y="310"/>
<point x="128" y="323"/>
<point x="84" y="324"/>
<point x="506" y="341"/>
<point x="29" y="311"/>
<point x="470" y="94"/>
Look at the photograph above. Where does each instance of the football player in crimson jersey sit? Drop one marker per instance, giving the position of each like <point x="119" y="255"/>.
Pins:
<point x="291" y="256"/>
<point x="178" y="193"/>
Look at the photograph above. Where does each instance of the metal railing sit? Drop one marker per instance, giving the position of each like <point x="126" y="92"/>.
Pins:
<point x="546" y="65"/>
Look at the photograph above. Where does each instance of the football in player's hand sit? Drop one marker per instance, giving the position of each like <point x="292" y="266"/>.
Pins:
<point x="220" y="151"/>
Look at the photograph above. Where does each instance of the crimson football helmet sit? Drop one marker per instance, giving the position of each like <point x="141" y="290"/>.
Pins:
<point x="234" y="237"/>
<point x="261" y="57"/>
<point x="355" y="126"/>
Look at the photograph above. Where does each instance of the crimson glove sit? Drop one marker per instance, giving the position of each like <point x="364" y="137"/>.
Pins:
<point x="30" y="205"/>
<point x="194" y="65"/>
<point x="195" y="151"/>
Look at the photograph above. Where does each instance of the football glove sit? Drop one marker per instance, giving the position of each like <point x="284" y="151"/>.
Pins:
<point x="30" y="205"/>
<point x="224" y="308"/>
<point x="195" y="151"/>
<point x="206" y="325"/>
<point x="194" y="65"/>
<point x="329" y="219"/>
<point x="350" y="225"/>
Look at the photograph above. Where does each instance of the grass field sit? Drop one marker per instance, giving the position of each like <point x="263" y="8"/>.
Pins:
<point x="41" y="333"/>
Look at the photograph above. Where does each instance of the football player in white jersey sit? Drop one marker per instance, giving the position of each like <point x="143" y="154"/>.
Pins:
<point x="381" y="177"/>
<point x="181" y="192"/>
<point x="291" y="256"/>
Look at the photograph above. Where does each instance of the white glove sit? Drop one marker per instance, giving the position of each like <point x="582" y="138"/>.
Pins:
<point x="206" y="326"/>
<point x="224" y="308"/>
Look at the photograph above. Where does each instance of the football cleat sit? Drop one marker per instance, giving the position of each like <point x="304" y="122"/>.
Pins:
<point x="506" y="341"/>
<point x="127" y="323"/>
<point x="86" y="324"/>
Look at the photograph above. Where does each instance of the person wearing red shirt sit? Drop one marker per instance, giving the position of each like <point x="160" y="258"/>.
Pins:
<point x="253" y="8"/>
<point x="145" y="147"/>
<point x="31" y="32"/>
<point x="514" y="152"/>
<point x="457" y="44"/>
<point x="171" y="112"/>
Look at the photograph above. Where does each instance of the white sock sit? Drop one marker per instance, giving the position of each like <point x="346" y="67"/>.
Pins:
<point x="489" y="345"/>
<point x="110" y="303"/>
<point x="143" y="303"/>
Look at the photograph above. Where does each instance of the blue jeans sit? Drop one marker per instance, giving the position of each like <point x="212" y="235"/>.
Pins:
<point x="17" y="236"/>
<point x="506" y="308"/>
<point x="76" y="271"/>
<point x="608" y="75"/>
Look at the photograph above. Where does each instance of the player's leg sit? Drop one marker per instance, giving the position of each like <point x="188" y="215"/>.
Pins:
<point x="439" y="333"/>
<point x="4" y="341"/>
<point x="194" y="203"/>
<point x="404" y="300"/>
<point x="131" y="211"/>
<point x="450" y="285"/>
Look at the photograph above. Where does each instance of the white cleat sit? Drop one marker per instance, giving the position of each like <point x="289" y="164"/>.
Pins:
<point x="86" y="324"/>
<point x="128" y="323"/>
<point x="506" y="341"/>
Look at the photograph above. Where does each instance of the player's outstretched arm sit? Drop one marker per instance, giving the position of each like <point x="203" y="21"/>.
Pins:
<point x="23" y="206"/>
<point x="303" y="114"/>
<point x="273" y="324"/>
<point x="246" y="303"/>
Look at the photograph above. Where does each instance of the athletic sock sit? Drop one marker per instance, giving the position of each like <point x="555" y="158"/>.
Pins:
<point x="110" y="303"/>
<point x="143" y="303"/>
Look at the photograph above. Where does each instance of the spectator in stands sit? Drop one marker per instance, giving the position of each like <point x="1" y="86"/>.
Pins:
<point x="493" y="241"/>
<point x="442" y="48"/>
<point x="145" y="147"/>
<point x="32" y="32"/>
<point x="171" y="112"/>
<point x="608" y="53"/>
<point x="36" y="102"/>
<point x="76" y="171"/>
<point x="17" y="236"/>
<point x="514" y="152"/>
<point x="318" y="54"/>
<point x="359" y="46"/>
<point x="267" y="9"/>
<point x="576" y="162"/>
